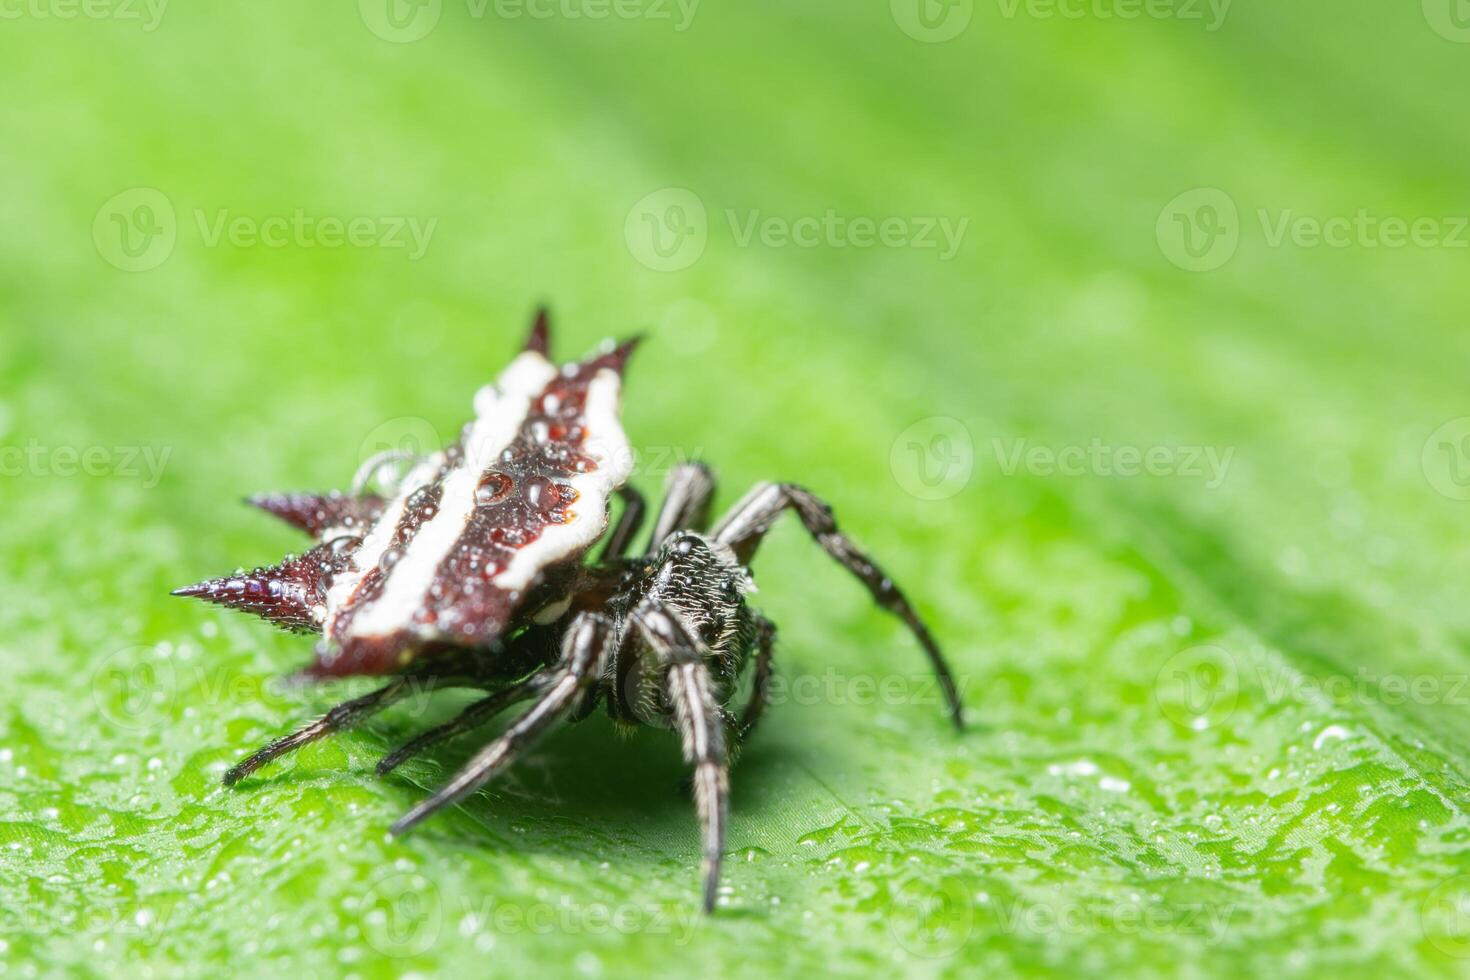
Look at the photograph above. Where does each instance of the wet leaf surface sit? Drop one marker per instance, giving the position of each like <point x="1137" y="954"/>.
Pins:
<point x="1195" y="538"/>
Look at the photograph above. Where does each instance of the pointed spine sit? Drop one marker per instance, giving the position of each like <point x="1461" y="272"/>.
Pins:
<point x="615" y="359"/>
<point x="291" y="595"/>
<point x="540" y="339"/>
<point x="318" y="513"/>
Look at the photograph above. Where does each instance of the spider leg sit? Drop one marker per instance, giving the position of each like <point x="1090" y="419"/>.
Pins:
<point x="744" y="527"/>
<point x="561" y="688"/>
<point x="467" y="720"/>
<point x="344" y="715"/>
<point x="687" y="496"/>
<point x="701" y="723"/>
<point x="628" y="524"/>
<point x="759" y="693"/>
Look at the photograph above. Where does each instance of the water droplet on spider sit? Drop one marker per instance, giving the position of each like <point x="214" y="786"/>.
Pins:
<point x="390" y="558"/>
<point x="541" y="492"/>
<point x="493" y="488"/>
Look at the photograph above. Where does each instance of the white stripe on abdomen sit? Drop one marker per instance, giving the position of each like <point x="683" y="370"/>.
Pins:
<point x="500" y="411"/>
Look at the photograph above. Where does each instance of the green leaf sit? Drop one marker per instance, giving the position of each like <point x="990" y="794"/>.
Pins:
<point x="1131" y="345"/>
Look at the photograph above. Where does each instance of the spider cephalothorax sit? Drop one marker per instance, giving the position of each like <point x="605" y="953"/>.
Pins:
<point x="471" y="572"/>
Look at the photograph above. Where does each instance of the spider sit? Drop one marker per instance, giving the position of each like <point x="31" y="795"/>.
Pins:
<point x="473" y="571"/>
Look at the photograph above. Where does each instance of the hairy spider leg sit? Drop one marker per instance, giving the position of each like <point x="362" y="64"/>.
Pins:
<point x="467" y="720"/>
<point x="448" y="673"/>
<point x="630" y="521"/>
<point x="765" y="638"/>
<point x="687" y="495"/>
<point x="586" y="643"/>
<point x="745" y="526"/>
<point x="344" y="715"/>
<point x="701" y="723"/>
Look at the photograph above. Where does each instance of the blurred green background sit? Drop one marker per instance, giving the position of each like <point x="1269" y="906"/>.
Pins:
<point x="1131" y="339"/>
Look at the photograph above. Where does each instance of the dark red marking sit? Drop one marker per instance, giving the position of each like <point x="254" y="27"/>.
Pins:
<point x="525" y="493"/>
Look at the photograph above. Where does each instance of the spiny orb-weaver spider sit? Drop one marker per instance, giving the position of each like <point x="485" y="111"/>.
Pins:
<point x="472" y="572"/>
